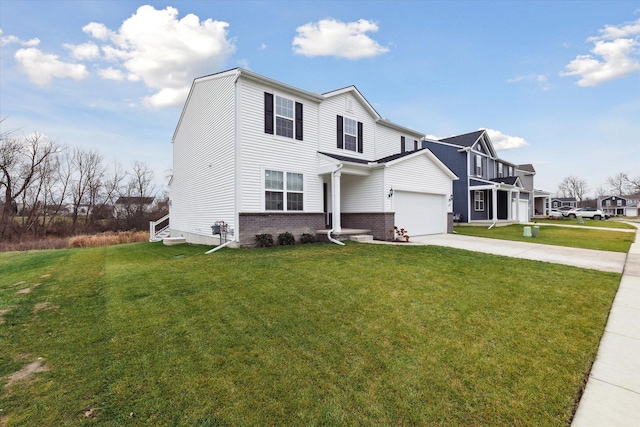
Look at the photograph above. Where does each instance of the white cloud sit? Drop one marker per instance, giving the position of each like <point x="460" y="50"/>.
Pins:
<point x="43" y="67"/>
<point x="14" y="39"/>
<point x="164" y="52"/>
<point x="111" y="74"/>
<point x="505" y="142"/>
<point x="540" y="79"/>
<point x="615" y="53"/>
<point x="329" y="37"/>
<point x="85" y="51"/>
<point x="166" y="97"/>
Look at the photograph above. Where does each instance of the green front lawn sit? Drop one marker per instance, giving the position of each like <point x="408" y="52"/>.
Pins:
<point x="602" y="240"/>
<point x="610" y="223"/>
<point x="144" y="334"/>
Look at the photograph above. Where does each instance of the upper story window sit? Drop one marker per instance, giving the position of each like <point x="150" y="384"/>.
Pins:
<point x="510" y="170"/>
<point x="349" y="134"/>
<point x="607" y="202"/>
<point x="284" y="117"/>
<point x="283" y="120"/>
<point x="408" y="145"/>
<point x="619" y="202"/>
<point x="500" y="170"/>
<point x="478" y="165"/>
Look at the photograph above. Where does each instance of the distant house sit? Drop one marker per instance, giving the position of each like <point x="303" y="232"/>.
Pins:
<point x="619" y="205"/>
<point x="128" y="205"/>
<point x="538" y="199"/>
<point x="561" y="202"/>
<point x="489" y="188"/>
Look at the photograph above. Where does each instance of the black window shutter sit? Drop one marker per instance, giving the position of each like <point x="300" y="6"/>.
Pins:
<point x="403" y="148"/>
<point x="340" y="138"/>
<point x="360" y="138"/>
<point x="415" y="144"/>
<point x="268" y="113"/>
<point x="298" y="121"/>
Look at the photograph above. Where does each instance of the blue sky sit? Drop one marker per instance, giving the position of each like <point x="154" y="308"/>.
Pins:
<point x="556" y="82"/>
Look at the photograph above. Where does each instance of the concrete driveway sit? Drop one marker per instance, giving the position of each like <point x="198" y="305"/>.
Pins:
<point x="583" y="258"/>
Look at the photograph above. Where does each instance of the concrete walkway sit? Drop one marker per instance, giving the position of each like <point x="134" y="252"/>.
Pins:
<point x="612" y="394"/>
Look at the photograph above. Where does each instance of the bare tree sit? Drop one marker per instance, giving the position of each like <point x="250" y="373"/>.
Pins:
<point x="20" y="166"/>
<point x="572" y="186"/>
<point x="138" y="194"/>
<point x="619" y="184"/>
<point x="634" y="185"/>
<point x="87" y="171"/>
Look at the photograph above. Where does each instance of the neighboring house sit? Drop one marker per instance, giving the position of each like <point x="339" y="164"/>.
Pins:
<point x="489" y="188"/>
<point x="265" y="157"/>
<point x="619" y="205"/>
<point x="539" y="200"/>
<point x="128" y="205"/>
<point x="562" y="202"/>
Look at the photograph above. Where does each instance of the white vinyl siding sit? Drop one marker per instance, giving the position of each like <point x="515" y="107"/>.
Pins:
<point x="260" y="151"/>
<point x="362" y="193"/>
<point x="202" y="190"/>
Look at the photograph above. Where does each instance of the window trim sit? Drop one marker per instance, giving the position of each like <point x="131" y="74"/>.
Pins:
<point x="341" y="134"/>
<point x="284" y="191"/>
<point x="478" y="165"/>
<point x="271" y="116"/>
<point x="478" y="202"/>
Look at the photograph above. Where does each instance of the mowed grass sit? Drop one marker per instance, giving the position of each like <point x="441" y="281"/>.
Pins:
<point x="611" y="223"/>
<point x="601" y="240"/>
<point x="144" y="334"/>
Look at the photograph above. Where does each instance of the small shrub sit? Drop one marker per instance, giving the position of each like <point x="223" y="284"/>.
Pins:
<point x="286" y="239"/>
<point x="307" y="238"/>
<point x="264" y="240"/>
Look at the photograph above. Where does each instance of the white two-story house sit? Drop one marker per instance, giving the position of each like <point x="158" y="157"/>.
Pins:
<point x="266" y="157"/>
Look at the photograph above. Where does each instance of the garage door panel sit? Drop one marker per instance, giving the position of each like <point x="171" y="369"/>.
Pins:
<point x="420" y="213"/>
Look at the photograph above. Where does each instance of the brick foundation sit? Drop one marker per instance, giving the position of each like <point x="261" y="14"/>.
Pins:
<point x="275" y="223"/>
<point x="378" y="222"/>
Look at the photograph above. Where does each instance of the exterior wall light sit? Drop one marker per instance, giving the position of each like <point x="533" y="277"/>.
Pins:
<point x="391" y="192"/>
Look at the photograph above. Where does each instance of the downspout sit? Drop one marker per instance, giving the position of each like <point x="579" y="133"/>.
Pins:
<point x="333" y="205"/>
<point x="218" y="247"/>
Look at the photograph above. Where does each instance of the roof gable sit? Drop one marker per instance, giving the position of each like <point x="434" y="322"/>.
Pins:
<point x="478" y="140"/>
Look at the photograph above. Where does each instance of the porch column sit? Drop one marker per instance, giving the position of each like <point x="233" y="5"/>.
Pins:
<point x="517" y="218"/>
<point x="548" y="205"/>
<point x="510" y="205"/>
<point x="494" y="203"/>
<point x="335" y="207"/>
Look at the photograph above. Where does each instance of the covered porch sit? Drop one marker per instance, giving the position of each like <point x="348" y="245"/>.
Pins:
<point x="498" y="202"/>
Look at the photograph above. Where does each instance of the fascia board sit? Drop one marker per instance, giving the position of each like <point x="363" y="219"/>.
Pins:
<point x="311" y="96"/>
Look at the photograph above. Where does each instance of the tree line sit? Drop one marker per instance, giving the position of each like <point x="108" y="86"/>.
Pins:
<point x="50" y="189"/>
<point x="621" y="184"/>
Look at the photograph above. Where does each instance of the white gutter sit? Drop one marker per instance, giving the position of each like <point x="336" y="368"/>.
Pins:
<point x="333" y="205"/>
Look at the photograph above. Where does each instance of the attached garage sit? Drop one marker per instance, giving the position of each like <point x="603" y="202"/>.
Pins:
<point x="420" y="213"/>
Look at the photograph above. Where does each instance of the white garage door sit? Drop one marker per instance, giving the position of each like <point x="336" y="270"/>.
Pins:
<point x="420" y="213"/>
<point x="524" y="211"/>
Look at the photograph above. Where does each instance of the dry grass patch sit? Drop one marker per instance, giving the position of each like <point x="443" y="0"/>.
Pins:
<point x="44" y="306"/>
<point x="108" y="239"/>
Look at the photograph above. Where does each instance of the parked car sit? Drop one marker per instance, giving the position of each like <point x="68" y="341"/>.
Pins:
<point x="555" y="213"/>
<point x="591" y="213"/>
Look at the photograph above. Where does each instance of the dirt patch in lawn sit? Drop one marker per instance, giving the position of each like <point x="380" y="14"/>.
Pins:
<point x="44" y="306"/>
<point x="27" y="290"/>
<point x="27" y="371"/>
<point x="3" y="311"/>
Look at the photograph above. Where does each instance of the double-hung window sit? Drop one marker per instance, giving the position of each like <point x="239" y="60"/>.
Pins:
<point x="478" y="165"/>
<point x="282" y="116"/>
<point x="500" y="170"/>
<point x="280" y="187"/>
<point x="350" y="134"/>
<point x="478" y="200"/>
